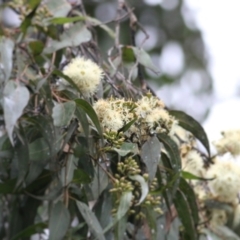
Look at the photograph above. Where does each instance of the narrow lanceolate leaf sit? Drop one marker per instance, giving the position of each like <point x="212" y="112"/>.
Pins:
<point x="172" y="150"/>
<point x="31" y="230"/>
<point x="150" y="155"/>
<point x="62" y="113"/>
<point x="124" y="205"/>
<point x="185" y="215"/>
<point x="15" y="100"/>
<point x="144" y="59"/>
<point x="127" y="148"/>
<point x="91" y="220"/>
<point x="72" y="37"/>
<point x="191" y="125"/>
<point x="59" y="221"/>
<point x="6" y="53"/>
<point x="87" y="108"/>
<point x="144" y="187"/>
<point x="191" y="199"/>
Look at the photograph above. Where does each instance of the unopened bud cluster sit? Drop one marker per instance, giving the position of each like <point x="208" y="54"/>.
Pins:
<point x="114" y="139"/>
<point x="22" y="7"/>
<point x="123" y="183"/>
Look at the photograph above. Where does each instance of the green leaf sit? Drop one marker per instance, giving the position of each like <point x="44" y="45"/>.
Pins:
<point x="63" y="20"/>
<point x="151" y="219"/>
<point x="80" y="177"/>
<point x="88" y="109"/>
<point x="191" y="199"/>
<point x="73" y="37"/>
<point x="128" y="54"/>
<point x="144" y="59"/>
<point x="191" y="125"/>
<point x="59" y="8"/>
<point x="31" y="230"/>
<point x="124" y="205"/>
<point x="127" y="126"/>
<point x="59" y="221"/>
<point x="15" y="100"/>
<point x="6" y="53"/>
<point x="8" y="186"/>
<point x="127" y="148"/>
<point x="190" y="176"/>
<point x="144" y="187"/>
<point x="67" y="172"/>
<point x="150" y="155"/>
<point x="102" y="209"/>
<point x="172" y="149"/>
<point x="185" y="215"/>
<point x="62" y="113"/>
<point x="98" y="184"/>
<point x="33" y="4"/>
<point x="36" y="47"/>
<point x="82" y="118"/>
<point x="68" y="79"/>
<point x="22" y="156"/>
<point x="91" y="220"/>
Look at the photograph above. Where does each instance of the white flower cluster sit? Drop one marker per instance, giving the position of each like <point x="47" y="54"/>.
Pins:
<point x="149" y="113"/>
<point x="85" y="74"/>
<point x="230" y="142"/>
<point x="225" y="173"/>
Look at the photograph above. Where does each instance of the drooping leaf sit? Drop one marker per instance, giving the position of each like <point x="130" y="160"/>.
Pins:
<point x="127" y="148"/>
<point x="68" y="79"/>
<point x="82" y="118"/>
<point x="67" y="172"/>
<point x="185" y="215"/>
<point x="191" y="125"/>
<point x="88" y="109"/>
<point x="151" y="219"/>
<point x="36" y="47"/>
<point x="91" y="220"/>
<point x="172" y="149"/>
<point x="6" y="52"/>
<point x="59" y="8"/>
<point x="15" y="100"/>
<point x="144" y="187"/>
<point x="80" y="177"/>
<point x="128" y="54"/>
<point x="191" y="199"/>
<point x="62" y="113"/>
<point x="127" y="126"/>
<point x="98" y="184"/>
<point x="22" y="156"/>
<point x="33" y="4"/>
<point x="59" y="221"/>
<point x="150" y="155"/>
<point x="190" y="176"/>
<point x="73" y="37"/>
<point x="31" y="230"/>
<point x="144" y="59"/>
<point x="63" y="20"/>
<point x="8" y="187"/>
<point x="103" y="209"/>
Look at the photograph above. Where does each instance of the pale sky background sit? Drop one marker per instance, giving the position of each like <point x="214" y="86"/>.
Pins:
<point x="219" y="21"/>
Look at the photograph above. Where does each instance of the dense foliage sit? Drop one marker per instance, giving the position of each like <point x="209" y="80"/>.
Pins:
<point x="87" y="150"/>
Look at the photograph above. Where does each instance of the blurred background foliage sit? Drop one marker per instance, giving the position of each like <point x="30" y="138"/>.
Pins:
<point x="175" y="45"/>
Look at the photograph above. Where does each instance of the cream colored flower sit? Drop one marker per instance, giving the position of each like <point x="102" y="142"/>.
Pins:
<point x="193" y="163"/>
<point x="230" y="142"/>
<point x="85" y="74"/>
<point x="226" y="185"/>
<point x="219" y="217"/>
<point x="109" y="118"/>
